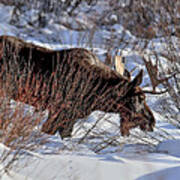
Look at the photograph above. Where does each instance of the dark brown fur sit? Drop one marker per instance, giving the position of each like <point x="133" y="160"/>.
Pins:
<point x="81" y="86"/>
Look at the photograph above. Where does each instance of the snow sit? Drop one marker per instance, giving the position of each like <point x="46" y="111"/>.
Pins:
<point x="104" y="167"/>
<point x="154" y="156"/>
<point x="171" y="147"/>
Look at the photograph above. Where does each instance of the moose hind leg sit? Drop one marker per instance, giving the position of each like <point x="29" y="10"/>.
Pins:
<point x="51" y="125"/>
<point x="65" y="130"/>
<point x="49" y="128"/>
<point x="60" y="123"/>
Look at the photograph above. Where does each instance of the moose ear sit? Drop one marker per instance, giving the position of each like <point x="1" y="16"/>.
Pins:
<point x="138" y="79"/>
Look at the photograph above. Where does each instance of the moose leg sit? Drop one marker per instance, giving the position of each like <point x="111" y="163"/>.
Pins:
<point x="1" y="124"/>
<point x="5" y="103"/>
<point x="66" y="129"/>
<point x="50" y="126"/>
<point x="61" y="124"/>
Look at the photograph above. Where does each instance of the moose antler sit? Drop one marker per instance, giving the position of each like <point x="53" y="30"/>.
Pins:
<point x="155" y="92"/>
<point x="153" y="74"/>
<point x="119" y="65"/>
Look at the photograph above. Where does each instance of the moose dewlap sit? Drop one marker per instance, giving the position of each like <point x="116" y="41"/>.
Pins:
<point x="71" y="84"/>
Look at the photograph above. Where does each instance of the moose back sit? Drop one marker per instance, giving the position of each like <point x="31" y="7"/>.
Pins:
<point x="71" y="84"/>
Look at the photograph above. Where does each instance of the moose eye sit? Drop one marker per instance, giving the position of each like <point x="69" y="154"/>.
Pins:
<point x="142" y="97"/>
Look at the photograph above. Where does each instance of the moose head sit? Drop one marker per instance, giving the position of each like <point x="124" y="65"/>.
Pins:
<point x="133" y="108"/>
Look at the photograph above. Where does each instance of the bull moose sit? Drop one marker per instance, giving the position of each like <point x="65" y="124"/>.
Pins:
<point x="76" y="83"/>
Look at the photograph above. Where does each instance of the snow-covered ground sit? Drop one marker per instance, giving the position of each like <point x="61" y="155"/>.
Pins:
<point x="134" y="162"/>
<point x="153" y="156"/>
